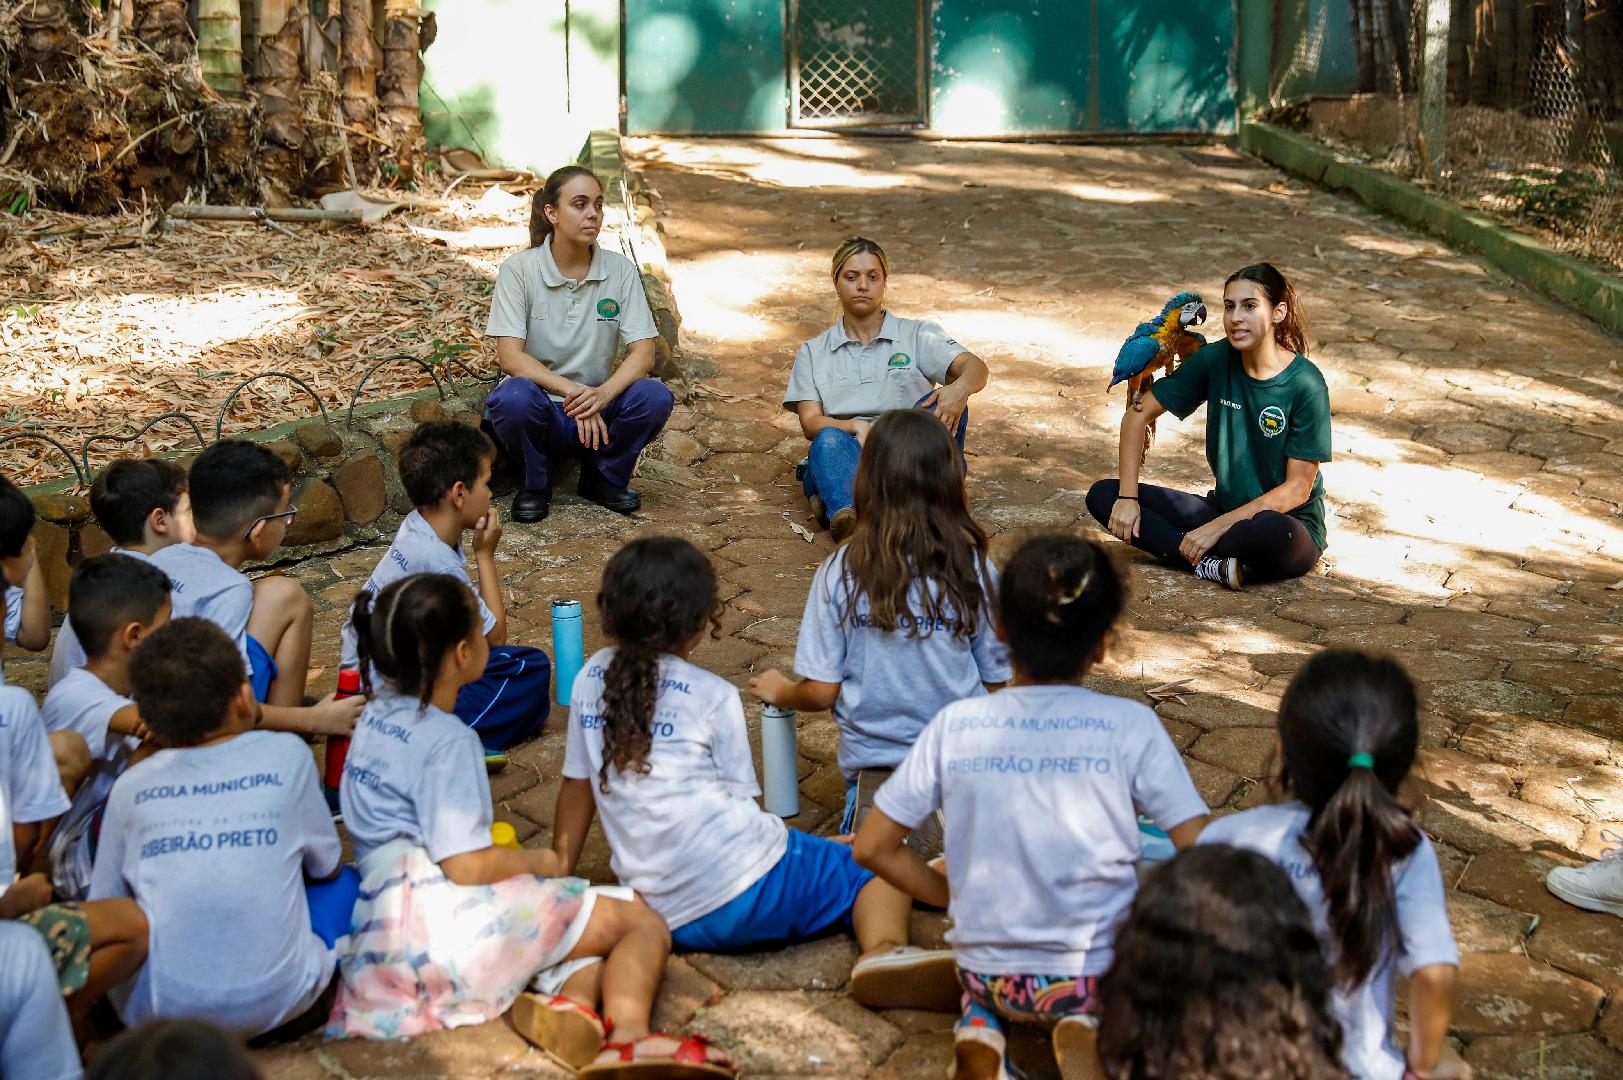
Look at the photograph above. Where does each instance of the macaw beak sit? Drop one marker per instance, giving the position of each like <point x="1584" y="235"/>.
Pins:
<point x="1196" y="316"/>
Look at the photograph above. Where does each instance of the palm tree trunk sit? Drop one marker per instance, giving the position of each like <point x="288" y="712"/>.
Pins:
<point x="219" y="44"/>
<point x="358" y="79"/>
<point x="278" y="81"/>
<point x="399" y="81"/>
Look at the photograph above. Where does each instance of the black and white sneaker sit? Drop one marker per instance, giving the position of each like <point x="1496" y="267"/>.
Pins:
<point x="1226" y="572"/>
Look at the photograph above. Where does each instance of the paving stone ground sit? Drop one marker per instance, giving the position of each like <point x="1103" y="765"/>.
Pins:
<point x="1474" y="531"/>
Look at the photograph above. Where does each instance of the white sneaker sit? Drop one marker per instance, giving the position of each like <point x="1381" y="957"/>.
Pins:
<point x="1596" y="887"/>
<point x="1226" y="572"/>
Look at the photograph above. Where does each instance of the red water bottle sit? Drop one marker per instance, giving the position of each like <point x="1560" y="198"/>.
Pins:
<point x="349" y="685"/>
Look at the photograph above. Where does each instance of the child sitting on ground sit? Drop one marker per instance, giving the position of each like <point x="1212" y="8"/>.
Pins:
<point x="1348" y="733"/>
<point x="445" y="467"/>
<point x="1218" y="976"/>
<point x="659" y="747"/>
<point x="898" y="623"/>
<point x="142" y="503"/>
<point x="225" y="841"/>
<point x="452" y="927"/>
<point x="115" y="601"/>
<point x="36" y="1037"/>
<point x="1041" y="785"/>
<point x="241" y="510"/>
<point x="27" y="614"/>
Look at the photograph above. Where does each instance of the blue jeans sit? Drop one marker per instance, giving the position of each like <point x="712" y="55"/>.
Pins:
<point x="831" y="465"/>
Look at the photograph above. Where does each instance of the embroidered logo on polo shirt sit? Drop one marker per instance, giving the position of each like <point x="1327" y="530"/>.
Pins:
<point x="608" y="309"/>
<point x="1271" y="420"/>
<point x="899" y="360"/>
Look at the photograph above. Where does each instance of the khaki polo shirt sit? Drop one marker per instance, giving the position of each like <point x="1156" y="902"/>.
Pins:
<point x="908" y="359"/>
<point x="574" y="327"/>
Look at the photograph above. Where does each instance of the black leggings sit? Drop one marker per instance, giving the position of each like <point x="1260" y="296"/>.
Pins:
<point x="1270" y="546"/>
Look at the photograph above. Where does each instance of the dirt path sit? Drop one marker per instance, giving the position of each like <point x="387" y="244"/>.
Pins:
<point x="1474" y="531"/>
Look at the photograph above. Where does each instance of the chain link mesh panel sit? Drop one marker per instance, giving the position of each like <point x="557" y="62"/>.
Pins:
<point x="1533" y="119"/>
<point x="858" y="62"/>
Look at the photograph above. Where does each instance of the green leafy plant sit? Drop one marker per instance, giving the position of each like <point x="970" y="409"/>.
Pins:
<point x="1552" y="201"/>
<point x="441" y="351"/>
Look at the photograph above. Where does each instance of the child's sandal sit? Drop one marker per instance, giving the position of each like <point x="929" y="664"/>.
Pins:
<point x="689" y="1061"/>
<point x="565" y="1030"/>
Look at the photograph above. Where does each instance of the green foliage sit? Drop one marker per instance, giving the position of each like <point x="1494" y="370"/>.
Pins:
<point x="443" y="350"/>
<point x="1552" y="201"/>
<point x="15" y="200"/>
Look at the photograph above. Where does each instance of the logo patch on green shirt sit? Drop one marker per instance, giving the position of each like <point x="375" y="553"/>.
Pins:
<point x="608" y="309"/>
<point x="900" y="360"/>
<point x="1271" y="420"/>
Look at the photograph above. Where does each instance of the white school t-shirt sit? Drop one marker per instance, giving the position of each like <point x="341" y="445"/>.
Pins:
<point x="203" y="584"/>
<point x="214" y="844"/>
<point x="890" y="684"/>
<point x="82" y="702"/>
<point x="1041" y="788"/>
<point x="30" y="787"/>
<point x="687" y="834"/>
<point x="416" y="549"/>
<point x="13" y="621"/>
<point x="417" y="773"/>
<point x="1368" y="1048"/>
<point x="36" y="1040"/>
<point x="67" y="653"/>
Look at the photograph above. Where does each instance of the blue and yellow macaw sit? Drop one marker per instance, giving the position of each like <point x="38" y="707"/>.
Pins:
<point x="1159" y="345"/>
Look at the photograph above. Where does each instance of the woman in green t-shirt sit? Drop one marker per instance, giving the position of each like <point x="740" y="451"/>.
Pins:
<point x="1267" y="431"/>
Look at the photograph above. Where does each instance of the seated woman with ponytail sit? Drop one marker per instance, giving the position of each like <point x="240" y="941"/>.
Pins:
<point x="560" y="313"/>
<point x="1267" y="431"/>
<point x="1348" y="734"/>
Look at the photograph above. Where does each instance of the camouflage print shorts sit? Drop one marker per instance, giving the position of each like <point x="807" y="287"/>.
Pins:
<point x="66" y="931"/>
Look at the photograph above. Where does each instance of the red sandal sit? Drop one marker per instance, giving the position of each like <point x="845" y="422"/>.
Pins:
<point x="689" y="1061"/>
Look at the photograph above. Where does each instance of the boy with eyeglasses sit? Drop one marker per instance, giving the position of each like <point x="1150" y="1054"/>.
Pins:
<point x="241" y="508"/>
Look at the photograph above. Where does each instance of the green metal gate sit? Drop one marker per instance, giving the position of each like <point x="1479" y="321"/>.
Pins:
<point x="857" y="62"/>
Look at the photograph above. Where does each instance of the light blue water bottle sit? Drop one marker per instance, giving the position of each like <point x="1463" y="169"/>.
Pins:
<point x="567" y="647"/>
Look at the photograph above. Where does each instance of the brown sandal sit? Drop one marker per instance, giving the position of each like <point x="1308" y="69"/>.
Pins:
<point x="563" y="1029"/>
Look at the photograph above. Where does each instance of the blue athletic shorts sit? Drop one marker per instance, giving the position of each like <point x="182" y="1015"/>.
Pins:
<point x="261" y="669"/>
<point x="332" y="903"/>
<point x="809" y="891"/>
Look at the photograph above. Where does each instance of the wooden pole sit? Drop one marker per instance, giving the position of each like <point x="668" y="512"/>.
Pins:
<point x="205" y="212"/>
<point x="1434" y="88"/>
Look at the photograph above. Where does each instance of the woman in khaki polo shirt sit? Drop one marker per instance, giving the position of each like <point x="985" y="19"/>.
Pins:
<point x="867" y="362"/>
<point x="559" y="314"/>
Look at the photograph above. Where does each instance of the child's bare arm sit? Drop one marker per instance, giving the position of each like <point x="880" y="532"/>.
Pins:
<point x="1431" y="1010"/>
<point x="486" y="535"/>
<point x="332" y="715"/>
<point x="802" y="695"/>
<point x="34" y="631"/>
<point x="570" y="819"/>
<point x="1185" y="833"/>
<point x="127" y="721"/>
<point x="492" y="864"/>
<point x="879" y="848"/>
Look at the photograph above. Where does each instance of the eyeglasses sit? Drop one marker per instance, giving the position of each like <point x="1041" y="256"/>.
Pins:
<point x="289" y="513"/>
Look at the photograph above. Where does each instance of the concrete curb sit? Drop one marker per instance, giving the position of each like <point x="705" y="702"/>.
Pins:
<point x="1592" y="291"/>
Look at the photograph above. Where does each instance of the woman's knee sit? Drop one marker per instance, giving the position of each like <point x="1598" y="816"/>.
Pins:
<point x="830" y="438"/>
<point x="513" y="398"/>
<point x="652" y="397"/>
<point x="1101" y="497"/>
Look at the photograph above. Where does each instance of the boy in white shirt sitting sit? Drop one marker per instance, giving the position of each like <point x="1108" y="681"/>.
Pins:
<point x="115" y="601"/>
<point x="241" y="509"/>
<point x="27" y="609"/>
<point x="223" y="822"/>
<point x="445" y="468"/>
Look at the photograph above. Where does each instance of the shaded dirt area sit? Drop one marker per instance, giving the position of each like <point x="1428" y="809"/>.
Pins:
<point x="1474" y="530"/>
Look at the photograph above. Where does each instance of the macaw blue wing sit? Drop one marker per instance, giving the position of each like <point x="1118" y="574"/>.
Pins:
<point x="1136" y="354"/>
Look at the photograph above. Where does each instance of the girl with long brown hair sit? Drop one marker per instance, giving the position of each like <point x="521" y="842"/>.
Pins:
<point x="898" y="620"/>
<point x="1267" y="432"/>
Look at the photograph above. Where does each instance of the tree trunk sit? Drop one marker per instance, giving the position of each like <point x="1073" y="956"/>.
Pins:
<point x="358" y="80"/>
<point x="219" y="44"/>
<point x="278" y="82"/>
<point x="398" y="84"/>
<point x="161" y="26"/>
<point x="43" y="52"/>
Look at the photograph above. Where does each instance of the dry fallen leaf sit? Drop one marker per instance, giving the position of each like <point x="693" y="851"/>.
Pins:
<point x="805" y="533"/>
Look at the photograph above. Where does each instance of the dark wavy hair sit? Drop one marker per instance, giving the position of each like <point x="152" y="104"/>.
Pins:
<point x="408" y="628"/>
<point x="1060" y="595"/>
<point x="173" y="1050"/>
<point x="1341" y="703"/>
<point x="1291" y="333"/>
<point x="540" y="227"/>
<point x="658" y="592"/>
<point x="1218" y="975"/>
<point x="913" y="525"/>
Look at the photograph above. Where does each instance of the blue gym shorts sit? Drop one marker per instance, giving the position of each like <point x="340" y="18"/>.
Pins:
<point x="808" y="892"/>
<point x="261" y="669"/>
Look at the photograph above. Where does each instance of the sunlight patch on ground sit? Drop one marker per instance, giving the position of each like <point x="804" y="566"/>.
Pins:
<point x="716" y="292"/>
<point x="1098" y="193"/>
<point x="177" y="329"/>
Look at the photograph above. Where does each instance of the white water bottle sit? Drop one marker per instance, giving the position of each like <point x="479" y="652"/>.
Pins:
<point x="780" y="764"/>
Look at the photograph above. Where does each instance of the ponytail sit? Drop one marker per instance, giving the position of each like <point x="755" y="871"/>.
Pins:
<point x="540" y="227"/>
<point x="1059" y="598"/>
<point x="1349" y="731"/>
<point x="1291" y="332"/>
<point x="406" y="630"/>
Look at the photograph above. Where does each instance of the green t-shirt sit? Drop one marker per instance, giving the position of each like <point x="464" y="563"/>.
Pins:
<point x="1254" y="425"/>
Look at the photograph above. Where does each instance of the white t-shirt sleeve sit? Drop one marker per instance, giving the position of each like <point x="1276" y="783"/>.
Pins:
<point x="801" y="385"/>
<point x="1161" y="785"/>
<point x="1423" y="912"/>
<point x="453" y="801"/>
<point x="913" y="791"/>
<point x="730" y="747"/>
<point x="34" y="786"/>
<point x="14" y="611"/>
<point x="937" y="351"/>
<point x="636" y="320"/>
<point x="323" y="851"/>
<point x="820" y="649"/>
<point x="509" y="303"/>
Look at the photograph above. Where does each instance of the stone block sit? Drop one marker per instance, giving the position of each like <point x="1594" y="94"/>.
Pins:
<point x="1506" y="994"/>
<point x="1451" y="774"/>
<point x="1477" y="827"/>
<point x="738" y="436"/>
<point x="1215" y="784"/>
<point x="680" y="447"/>
<point x="289" y="452"/>
<point x="319" y="440"/>
<point x="62" y="509"/>
<point x="1587" y="792"/>
<point x="428" y="410"/>
<point x="1586" y="943"/>
<point x="478" y="1050"/>
<point x="1567" y="677"/>
<point x="1515" y="879"/>
<point x="392" y="441"/>
<point x="1482" y="926"/>
<point x="320" y="517"/>
<point x="783" y="1034"/>
<point x="361" y="487"/>
<point x="1535" y="1057"/>
<point x="682" y="994"/>
<point x="1524" y="742"/>
<point x="927" y="1054"/>
<point x="1246" y="751"/>
<point x="1493" y="699"/>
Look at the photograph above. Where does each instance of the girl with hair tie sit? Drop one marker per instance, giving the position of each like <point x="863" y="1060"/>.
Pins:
<point x="867" y="362"/>
<point x="1267" y="432"/>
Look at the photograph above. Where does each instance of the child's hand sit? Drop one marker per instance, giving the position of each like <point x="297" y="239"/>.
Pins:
<point x="771" y="685"/>
<point x="487" y="533"/>
<point x="547" y="863"/>
<point x="26" y="894"/>
<point x="1450" y="1066"/>
<point x="333" y="715"/>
